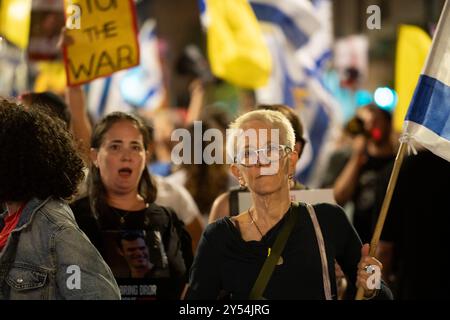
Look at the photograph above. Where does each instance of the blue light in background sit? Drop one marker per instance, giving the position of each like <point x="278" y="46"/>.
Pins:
<point x="363" y="98"/>
<point x="385" y="98"/>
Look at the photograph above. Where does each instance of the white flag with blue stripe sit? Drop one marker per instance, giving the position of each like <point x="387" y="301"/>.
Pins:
<point x="299" y="36"/>
<point x="287" y="25"/>
<point x="428" y="117"/>
<point x="296" y="18"/>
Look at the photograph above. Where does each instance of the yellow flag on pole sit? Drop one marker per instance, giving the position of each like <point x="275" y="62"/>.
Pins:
<point x="15" y="21"/>
<point x="236" y="48"/>
<point x="412" y="49"/>
<point x="51" y="77"/>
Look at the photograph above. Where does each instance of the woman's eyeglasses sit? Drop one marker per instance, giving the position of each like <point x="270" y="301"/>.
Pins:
<point x="264" y="156"/>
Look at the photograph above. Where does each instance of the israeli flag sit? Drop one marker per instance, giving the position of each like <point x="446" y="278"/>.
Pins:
<point x="428" y="117"/>
<point x="299" y="36"/>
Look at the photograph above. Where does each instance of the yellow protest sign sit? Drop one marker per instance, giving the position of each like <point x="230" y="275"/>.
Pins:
<point x="104" y="39"/>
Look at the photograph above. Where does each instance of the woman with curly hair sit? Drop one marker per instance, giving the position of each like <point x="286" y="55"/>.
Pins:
<point x="43" y="253"/>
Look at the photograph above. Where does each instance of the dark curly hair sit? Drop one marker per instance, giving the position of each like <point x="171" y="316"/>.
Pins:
<point x="96" y="188"/>
<point x="38" y="155"/>
<point x="55" y="104"/>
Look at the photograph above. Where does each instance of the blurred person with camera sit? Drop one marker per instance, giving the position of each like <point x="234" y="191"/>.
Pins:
<point x="372" y="149"/>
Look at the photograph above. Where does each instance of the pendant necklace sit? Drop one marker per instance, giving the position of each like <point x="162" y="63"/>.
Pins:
<point x="125" y="212"/>
<point x="121" y="216"/>
<point x="269" y="249"/>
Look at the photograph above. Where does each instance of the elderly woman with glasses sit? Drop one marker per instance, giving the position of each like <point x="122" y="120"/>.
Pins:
<point x="278" y="249"/>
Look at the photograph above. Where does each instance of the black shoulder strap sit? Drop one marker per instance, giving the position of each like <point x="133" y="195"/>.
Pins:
<point x="184" y="237"/>
<point x="269" y="265"/>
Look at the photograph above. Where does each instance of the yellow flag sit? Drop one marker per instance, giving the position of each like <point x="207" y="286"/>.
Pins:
<point x="15" y="21"/>
<point x="236" y="48"/>
<point x="51" y="77"/>
<point x="412" y="50"/>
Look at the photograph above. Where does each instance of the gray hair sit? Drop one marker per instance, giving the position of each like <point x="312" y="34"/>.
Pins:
<point x="274" y="119"/>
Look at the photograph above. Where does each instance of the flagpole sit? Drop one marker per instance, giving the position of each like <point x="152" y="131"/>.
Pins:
<point x="384" y="208"/>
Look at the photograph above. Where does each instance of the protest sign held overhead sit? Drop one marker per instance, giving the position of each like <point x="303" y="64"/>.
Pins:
<point x="47" y="19"/>
<point x="105" y="42"/>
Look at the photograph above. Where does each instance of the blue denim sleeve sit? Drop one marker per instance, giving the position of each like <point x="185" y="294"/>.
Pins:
<point x="81" y="272"/>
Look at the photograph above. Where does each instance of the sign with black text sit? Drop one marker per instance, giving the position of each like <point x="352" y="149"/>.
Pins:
<point x="105" y="42"/>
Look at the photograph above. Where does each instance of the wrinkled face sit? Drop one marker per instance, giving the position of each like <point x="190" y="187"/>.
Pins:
<point x="269" y="171"/>
<point x="121" y="158"/>
<point x="135" y="253"/>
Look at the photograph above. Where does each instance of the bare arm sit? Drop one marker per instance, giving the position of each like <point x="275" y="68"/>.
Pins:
<point x="220" y="207"/>
<point x="80" y="125"/>
<point x="346" y="182"/>
<point x="196" y="102"/>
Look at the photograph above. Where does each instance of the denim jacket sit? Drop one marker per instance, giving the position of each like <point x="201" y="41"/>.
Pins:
<point x="48" y="257"/>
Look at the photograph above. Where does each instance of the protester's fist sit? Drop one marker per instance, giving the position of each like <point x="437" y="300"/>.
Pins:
<point x="64" y="39"/>
<point x="367" y="267"/>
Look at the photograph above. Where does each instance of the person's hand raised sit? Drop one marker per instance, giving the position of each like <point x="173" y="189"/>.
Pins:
<point x="64" y="39"/>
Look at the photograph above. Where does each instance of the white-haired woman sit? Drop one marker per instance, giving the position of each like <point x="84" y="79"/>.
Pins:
<point x="277" y="249"/>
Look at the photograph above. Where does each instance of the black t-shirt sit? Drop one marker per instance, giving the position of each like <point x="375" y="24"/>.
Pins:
<point x="418" y="224"/>
<point x="227" y="265"/>
<point x="364" y="197"/>
<point x="142" y="249"/>
<point x="336" y="164"/>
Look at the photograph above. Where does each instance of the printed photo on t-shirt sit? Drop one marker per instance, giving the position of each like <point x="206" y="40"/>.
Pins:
<point x="139" y="263"/>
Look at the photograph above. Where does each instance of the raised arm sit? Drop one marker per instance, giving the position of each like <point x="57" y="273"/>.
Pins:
<point x="220" y="207"/>
<point x="196" y="103"/>
<point x="75" y="99"/>
<point x="346" y="182"/>
<point x="81" y="126"/>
